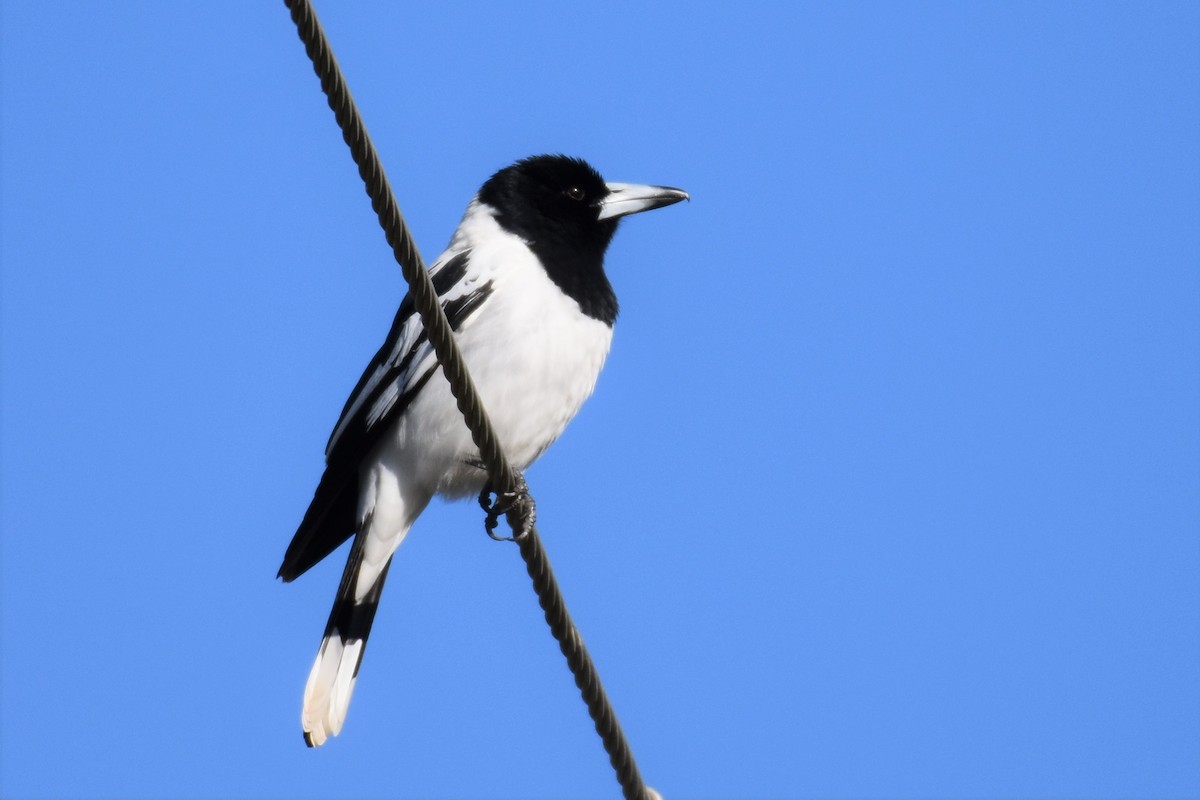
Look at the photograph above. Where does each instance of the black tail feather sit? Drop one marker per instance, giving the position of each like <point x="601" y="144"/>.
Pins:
<point x="353" y="620"/>
<point x="349" y="622"/>
<point x="329" y="521"/>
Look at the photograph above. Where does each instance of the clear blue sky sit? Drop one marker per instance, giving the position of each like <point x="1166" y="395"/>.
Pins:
<point x="890" y="488"/>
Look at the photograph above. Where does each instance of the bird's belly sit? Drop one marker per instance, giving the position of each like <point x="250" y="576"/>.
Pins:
<point x="533" y="377"/>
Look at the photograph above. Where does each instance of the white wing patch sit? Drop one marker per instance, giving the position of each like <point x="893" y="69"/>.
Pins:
<point x="409" y="355"/>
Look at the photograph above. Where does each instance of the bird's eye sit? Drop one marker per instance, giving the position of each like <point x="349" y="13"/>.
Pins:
<point x="575" y="193"/>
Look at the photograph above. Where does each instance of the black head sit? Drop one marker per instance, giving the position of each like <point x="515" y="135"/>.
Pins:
<point x="552" y="202"/>
<point x="567" y="214"/>
<point x="551" y="196"/>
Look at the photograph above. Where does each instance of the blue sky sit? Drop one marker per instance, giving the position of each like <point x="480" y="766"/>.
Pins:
<point x="890" y="488"/>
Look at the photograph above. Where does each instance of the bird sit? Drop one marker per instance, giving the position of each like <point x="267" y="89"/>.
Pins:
<point x="523" y="285"/>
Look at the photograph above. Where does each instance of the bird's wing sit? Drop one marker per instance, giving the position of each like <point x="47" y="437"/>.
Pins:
<point x="404" y="362"/>
<point x="403" y="365"/>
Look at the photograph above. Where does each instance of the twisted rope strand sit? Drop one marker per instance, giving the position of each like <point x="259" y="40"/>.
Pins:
<point x="587" y="678"/>
<point x="383" y="202"/>
<point x="500" y="473"/>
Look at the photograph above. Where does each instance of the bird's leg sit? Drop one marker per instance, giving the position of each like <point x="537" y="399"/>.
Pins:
<point x="522" y="504"/>
<point x="491" y="510"/>
<point x="517" y="502"/>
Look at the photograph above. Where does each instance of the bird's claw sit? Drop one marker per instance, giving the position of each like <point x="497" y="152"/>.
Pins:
<point x="518" y="501"/>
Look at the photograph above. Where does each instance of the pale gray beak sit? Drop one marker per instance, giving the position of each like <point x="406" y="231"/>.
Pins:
<point x="630" y="198"/>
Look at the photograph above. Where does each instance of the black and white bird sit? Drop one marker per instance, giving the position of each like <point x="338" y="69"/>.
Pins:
<point x="523" y="285"/>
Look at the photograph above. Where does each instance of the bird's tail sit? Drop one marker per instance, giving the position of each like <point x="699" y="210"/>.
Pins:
<point x="331" y="681"/>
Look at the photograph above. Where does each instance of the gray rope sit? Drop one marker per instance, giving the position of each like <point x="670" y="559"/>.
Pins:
<point x="503" y="479"/>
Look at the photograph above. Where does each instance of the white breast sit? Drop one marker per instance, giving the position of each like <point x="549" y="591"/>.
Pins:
<point x="534" y="357"/>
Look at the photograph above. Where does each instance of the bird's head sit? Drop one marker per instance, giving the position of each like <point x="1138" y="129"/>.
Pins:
<point x="566" y="214"/>
<point x="560" y="196"/>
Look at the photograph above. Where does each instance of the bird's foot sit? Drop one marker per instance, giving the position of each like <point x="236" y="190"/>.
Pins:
<point x="518" y="502"/>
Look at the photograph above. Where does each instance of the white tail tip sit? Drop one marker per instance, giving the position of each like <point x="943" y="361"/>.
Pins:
<point x="330" y="685"/>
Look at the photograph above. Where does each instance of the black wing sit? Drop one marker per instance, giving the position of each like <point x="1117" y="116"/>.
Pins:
<point x="401" y="368"/>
